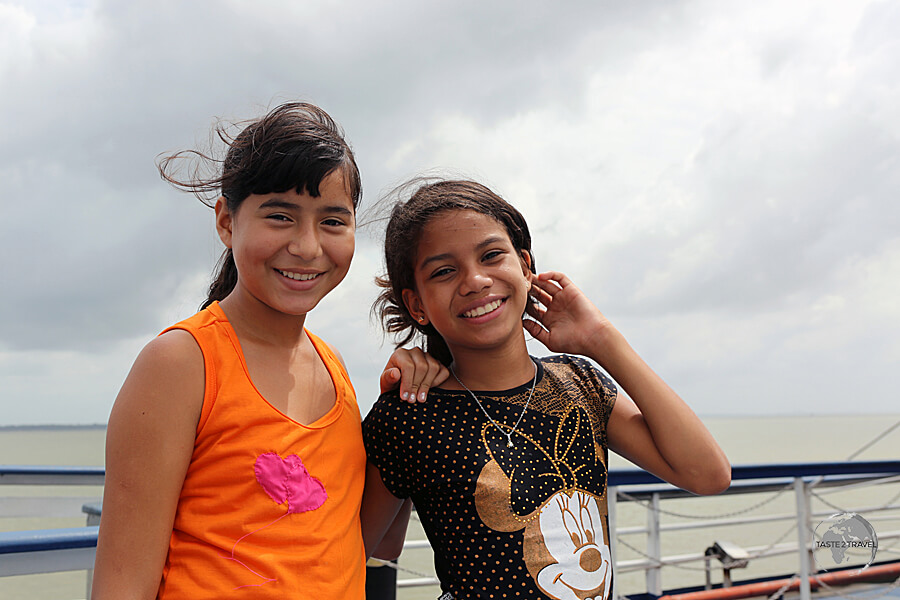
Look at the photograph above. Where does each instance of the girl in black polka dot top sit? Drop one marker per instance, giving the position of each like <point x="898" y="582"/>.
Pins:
<point x="506" y="462"/>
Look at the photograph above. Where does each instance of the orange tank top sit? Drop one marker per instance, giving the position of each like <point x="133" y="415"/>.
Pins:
<point x="269" y="507"/>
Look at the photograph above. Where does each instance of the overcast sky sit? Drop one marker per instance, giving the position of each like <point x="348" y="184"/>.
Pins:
<point x="721" y="178"/>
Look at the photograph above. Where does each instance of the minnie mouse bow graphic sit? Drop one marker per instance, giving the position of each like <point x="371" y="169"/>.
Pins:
<point x="537" y="473"/>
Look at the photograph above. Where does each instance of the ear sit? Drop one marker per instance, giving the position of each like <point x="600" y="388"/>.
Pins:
<point x="224" y="221"/>
<point x="527" y="266"/>
<point x="414" y="306"/>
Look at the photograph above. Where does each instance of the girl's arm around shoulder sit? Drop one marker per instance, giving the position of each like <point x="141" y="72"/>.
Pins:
<point x="651" y="426"/>
<point x="412" y="370"/>
<point x="149" y="443"/>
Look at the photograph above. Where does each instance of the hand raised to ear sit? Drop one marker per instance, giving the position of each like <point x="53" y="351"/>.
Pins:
<point x="568" y="321"/>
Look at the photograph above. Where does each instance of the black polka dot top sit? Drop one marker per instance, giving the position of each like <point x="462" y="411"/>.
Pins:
<point x="522" y="521"/>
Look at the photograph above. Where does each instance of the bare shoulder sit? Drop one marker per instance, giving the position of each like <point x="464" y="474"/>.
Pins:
<point x="175" y="353"/>
<point x="154" y="419"/>
<point x="149" y="443"/>
<point x="175" y="344"/>
<point x="166" y="382"/>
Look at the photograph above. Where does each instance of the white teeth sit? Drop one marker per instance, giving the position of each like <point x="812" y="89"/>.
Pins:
<point x="298" y="276"/>
<point x="483" y="310"/>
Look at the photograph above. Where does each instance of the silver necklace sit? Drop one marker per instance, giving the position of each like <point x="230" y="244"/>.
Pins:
<point x="509" y="442"/>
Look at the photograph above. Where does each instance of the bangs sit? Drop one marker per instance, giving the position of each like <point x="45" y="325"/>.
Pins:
<point x="297" y="170"/>
<point x="289" y="149"/>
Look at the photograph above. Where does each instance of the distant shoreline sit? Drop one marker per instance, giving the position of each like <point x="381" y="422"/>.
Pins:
<point x="50" y="427"/>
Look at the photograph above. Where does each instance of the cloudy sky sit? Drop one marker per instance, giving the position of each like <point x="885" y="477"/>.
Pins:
<point x="721" y="178"/>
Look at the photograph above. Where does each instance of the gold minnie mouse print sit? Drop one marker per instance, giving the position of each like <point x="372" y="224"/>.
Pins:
<point x="557" y="494"/>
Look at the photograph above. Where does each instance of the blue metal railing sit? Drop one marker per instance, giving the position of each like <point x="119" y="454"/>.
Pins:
<point x="44" y="475"/>
<point x="41" y="540"/>
<point x="55" y="475"/>
<point x="54" y="550"/>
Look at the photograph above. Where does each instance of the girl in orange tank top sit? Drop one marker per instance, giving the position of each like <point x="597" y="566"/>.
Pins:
<point x="234" y="460"/>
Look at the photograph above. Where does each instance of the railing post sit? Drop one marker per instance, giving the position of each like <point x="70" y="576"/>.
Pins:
<point x="92" y="510"/>
<point x="803" y="535"/>
<point x="381" y="580"/>
<point x="611" y="497"/>
<point x="654" y="547"/>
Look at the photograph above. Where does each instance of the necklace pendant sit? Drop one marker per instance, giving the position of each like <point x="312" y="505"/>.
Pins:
<point x="509" y="442"/>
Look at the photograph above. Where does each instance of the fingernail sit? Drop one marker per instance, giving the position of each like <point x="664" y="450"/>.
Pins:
<point x="405" y="395"/>
<point x="422" y="397"/>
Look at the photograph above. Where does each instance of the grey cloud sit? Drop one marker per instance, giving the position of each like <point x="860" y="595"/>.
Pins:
<point x="779" y="202"/>
<point x="785" y="203"/>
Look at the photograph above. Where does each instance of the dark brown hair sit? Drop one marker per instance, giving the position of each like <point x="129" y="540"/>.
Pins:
<point x="293" y="147"/>
<point x="408" y="219"/>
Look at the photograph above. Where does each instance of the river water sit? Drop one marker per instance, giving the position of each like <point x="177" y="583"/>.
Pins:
<point x="746" y="440"/>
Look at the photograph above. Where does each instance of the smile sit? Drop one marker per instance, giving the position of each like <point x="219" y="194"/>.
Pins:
<point x="483" y="310"/>
<point x="298" y="276"/>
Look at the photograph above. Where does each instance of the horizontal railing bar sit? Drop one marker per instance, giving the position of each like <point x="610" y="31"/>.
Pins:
<point x="778" y="549"/>
<point x="815" y="469"/>
<point x="879" y="481"/>
<point x="35" y="474"/>
<point x="666" y="492"/>
<point x="771" y="471"/>
<point x="47" y="539"/>
<point x="753" y="520"/>
<point x="883" y="518"/>
<point x="44" y="475"/>
<point x="420" y="582"/>
<point x="862" y="510"/>
<point x="643" y="563"/>
<point x="707" y="523"/>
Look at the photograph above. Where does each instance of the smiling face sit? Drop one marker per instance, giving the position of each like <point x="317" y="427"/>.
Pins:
<point x="471" y="283"/>
<point x="290" y="249"/>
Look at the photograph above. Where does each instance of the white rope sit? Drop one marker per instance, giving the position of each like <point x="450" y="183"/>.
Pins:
<point x="648" y="505"/>
<point x="656" y="562"/>
<point x="877" y="438"/>
<point x="777" y="541"/>
<point x="780" y="591"/>
<point x="887" y="504"/>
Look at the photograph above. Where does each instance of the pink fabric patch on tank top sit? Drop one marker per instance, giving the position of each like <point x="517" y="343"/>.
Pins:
<point x="287" y="479"/>
<point x="282" y="479"/>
